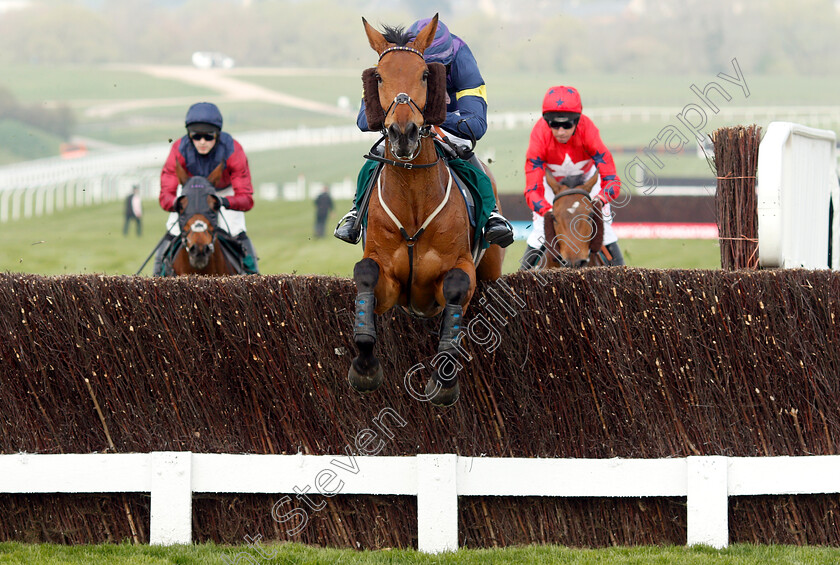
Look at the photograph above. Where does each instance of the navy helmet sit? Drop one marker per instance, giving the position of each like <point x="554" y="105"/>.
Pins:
<point x="204" y="117"/>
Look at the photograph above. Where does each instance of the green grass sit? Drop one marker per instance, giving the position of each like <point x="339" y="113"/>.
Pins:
<point x="208" y="554"/>
<point x="89" y="240"/>
<point x="79" y="85"/>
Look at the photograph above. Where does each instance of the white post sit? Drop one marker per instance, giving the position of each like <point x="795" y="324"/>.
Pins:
<point x="437" y="503"/>
<point x="708" y="501"/>
<point x="171" y="511"/>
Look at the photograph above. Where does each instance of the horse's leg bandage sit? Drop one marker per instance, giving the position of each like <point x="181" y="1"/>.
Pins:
<point x="364" y="323"/>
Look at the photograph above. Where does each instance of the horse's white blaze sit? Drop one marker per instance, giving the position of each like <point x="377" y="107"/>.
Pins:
<point x="573" y="208"/>
<point x="199" y="226"/>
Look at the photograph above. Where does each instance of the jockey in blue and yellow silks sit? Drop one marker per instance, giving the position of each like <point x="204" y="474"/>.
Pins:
<point x="466" y="119"/>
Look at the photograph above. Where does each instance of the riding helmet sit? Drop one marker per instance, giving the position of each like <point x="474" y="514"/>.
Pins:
<point x="562" y="102"/>
<point x="442" y="49"/>
<point x="204" y="117"/>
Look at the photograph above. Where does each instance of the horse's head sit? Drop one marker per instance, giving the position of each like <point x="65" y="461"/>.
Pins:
<point x="198" y="232"/>
<point x="198" y="209"/>
<point x="575" y="228"/>
<point x="402" y="93"/>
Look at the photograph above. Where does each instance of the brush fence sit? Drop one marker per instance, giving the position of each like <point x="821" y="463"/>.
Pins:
<point x="596" y="404"/>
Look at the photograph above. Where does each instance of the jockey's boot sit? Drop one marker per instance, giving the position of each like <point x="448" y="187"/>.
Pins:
<point x="530" y="258"/>
<point x="157" y="270"/>
<point x="498" y="230"/>
<point x="617" y="257"/>
<point x="348" y="228"/>
<point x="250" y="259"/>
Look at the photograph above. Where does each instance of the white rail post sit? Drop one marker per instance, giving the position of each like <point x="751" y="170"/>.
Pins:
<point x="171" y="511"/>
<point x="708" y="501"/>
<point x="437" y="503"/>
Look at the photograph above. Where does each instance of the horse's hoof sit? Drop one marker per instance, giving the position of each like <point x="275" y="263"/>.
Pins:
<point x="442" y="397"/>
<point x="368" y="381"/>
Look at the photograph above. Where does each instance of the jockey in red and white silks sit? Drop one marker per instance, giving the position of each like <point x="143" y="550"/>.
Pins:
<point x="566" y="143"/>
<point x="207" y="151"/>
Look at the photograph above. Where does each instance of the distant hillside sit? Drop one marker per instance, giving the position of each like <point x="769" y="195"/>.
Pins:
<point x="22" y="142"/>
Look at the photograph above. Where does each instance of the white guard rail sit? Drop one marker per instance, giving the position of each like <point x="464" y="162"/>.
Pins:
<point x="797" y="180"/>
<point x="436" y="480"/>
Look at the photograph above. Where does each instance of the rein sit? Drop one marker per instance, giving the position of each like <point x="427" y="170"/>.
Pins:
<point x="425" y="132"/>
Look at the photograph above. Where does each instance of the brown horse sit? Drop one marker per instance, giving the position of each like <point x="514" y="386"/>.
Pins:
<point x="574" y="229"/>
<point x="200" y="252"/>
<point x="418" y="248"/>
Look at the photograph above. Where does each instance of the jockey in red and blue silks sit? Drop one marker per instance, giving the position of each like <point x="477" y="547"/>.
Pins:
<point x="565" y="143"/>
<point x="466" y="119"/>
<point x="205" y="149"/>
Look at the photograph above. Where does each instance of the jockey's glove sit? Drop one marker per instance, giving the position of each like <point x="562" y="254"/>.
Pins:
<point x="224" y="202"/>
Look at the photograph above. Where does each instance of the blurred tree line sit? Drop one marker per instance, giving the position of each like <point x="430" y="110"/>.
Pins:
<point x="644" y="36"/>
<point x="58" y="121"/>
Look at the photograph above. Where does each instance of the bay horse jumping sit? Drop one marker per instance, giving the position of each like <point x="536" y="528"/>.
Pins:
<point x="200" y="252"/>
<point x="574" y="228"/>
<point x="417" y="251"/>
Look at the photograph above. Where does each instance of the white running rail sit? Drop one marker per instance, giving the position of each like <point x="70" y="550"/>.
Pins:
<point x="436" y="480"/>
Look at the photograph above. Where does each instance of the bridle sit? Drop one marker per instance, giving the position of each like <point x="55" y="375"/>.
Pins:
<point x="425" y="129"/>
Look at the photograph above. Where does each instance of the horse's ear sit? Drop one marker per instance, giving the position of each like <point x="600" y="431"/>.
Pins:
<point x="213" y="202"/>
<point x="373" y="108"/>
<point x="181" y="204"/>
<point x="435" y="111"/>
<point x="426" y="35"/>
<point x="216" y="174"/>
<point x="597" y="217"/>
<point x="590" y="183"/>
<point x="377" y="40"/>
<point x="553" y="183"/>
<point x="548" y="228"/>
<point x="181" y="173"/>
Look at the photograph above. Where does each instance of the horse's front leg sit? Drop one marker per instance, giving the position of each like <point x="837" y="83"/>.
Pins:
<point x="365" y="370"/>
<point x="458" y="286"/>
